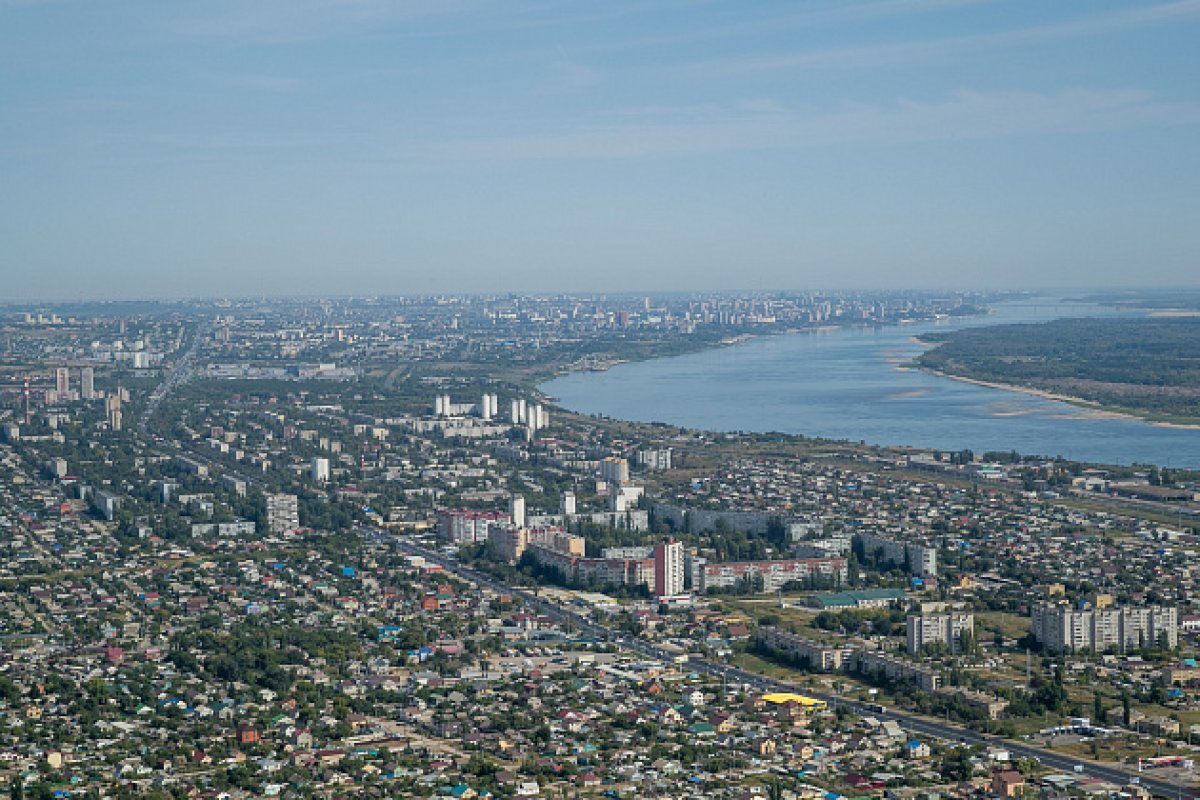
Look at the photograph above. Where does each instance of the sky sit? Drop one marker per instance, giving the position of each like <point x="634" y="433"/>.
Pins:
<point x="363" y="147"/>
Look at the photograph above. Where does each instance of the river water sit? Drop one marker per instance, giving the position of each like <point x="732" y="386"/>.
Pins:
<point x="847" y="383"/>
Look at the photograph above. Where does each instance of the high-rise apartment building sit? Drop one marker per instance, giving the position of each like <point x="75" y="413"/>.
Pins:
<point x="668" y="568"/>
<point x="320" y="469"/>
<point x="918" y="559"/>
<point x="113" y="408"/>
<point x="283" y="513"/>
<point x="87" y="383"/>
<point x="1063" y="628"/>
<point x="614" y="470"/>
<point x="465" y="526"/>
<point x="656" y="459"/>
<point x="938" y="628"/>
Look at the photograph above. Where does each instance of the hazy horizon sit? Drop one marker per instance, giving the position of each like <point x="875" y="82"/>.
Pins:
<point x="367" y="148"/>
<point x="1190" y="294"/>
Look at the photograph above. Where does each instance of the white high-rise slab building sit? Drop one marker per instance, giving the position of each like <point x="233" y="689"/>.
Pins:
<point x="320" y="469"/>
<point x="668" y="568"/>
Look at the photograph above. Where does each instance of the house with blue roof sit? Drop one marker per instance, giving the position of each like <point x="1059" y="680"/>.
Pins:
<point x="916" y="749"/>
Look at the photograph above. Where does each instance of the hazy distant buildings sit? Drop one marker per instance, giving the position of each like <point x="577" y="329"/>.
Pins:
<point x="622" y="498"/>
<point x="614" y="470"/>
<point x="112" y="407"/>
<point x="87" y="383"/>
<point x="192" y="466"/>
<point x="489" y="406"/>
<point x="533" y="417"/>
<point x="106" y="504"/>
<point x="655" y="460"/>
<point x="62" y="383"/>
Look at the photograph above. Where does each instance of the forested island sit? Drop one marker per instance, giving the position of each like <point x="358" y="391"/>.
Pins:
<point x="1148" y="366"/>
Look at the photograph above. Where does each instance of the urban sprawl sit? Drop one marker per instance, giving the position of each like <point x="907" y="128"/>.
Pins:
<point x="346" y="547"/>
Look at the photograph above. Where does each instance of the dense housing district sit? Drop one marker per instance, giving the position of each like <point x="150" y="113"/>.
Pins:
<point x="347" y="548"/>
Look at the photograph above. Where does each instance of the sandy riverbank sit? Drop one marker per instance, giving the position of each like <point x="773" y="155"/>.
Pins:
<point x="1088" y="409"/>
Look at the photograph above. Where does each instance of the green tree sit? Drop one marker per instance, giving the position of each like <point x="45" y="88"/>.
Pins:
<point x="956" y="764"/>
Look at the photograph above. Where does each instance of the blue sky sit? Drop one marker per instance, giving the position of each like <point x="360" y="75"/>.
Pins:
<point x="154" y="149"/>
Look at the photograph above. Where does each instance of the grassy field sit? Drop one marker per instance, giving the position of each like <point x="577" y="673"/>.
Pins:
<point x="1120" y="750"/>
<point x="1011" y="626"/>
<point x="753" y="663"/>
<point x="840" y="682"/>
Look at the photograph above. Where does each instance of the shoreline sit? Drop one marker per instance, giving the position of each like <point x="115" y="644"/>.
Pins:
<point x="604" y="365"/>
<point x="1083" y="409"/>
<point x="576" y="368"/>
<point x="1095" y="410"/>
<point x="1092" y="410"/>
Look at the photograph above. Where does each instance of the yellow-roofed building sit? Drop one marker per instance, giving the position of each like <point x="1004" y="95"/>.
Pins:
<point x="779" y="698"/>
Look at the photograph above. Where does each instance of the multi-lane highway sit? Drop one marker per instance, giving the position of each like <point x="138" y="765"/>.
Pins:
<point x="180" y="373"/>
<point x="918" y="725"/>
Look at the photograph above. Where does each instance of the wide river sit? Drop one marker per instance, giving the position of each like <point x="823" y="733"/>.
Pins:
<point x="847" y="383"/>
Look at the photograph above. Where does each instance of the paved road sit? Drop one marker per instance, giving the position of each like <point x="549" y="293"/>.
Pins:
<point x="923" y="726"/>
<point x="181" y="373"/>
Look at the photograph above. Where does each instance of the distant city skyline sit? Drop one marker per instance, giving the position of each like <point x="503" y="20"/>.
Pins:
<point x="1187" y="296"/>
<point x="153" y="150"/>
